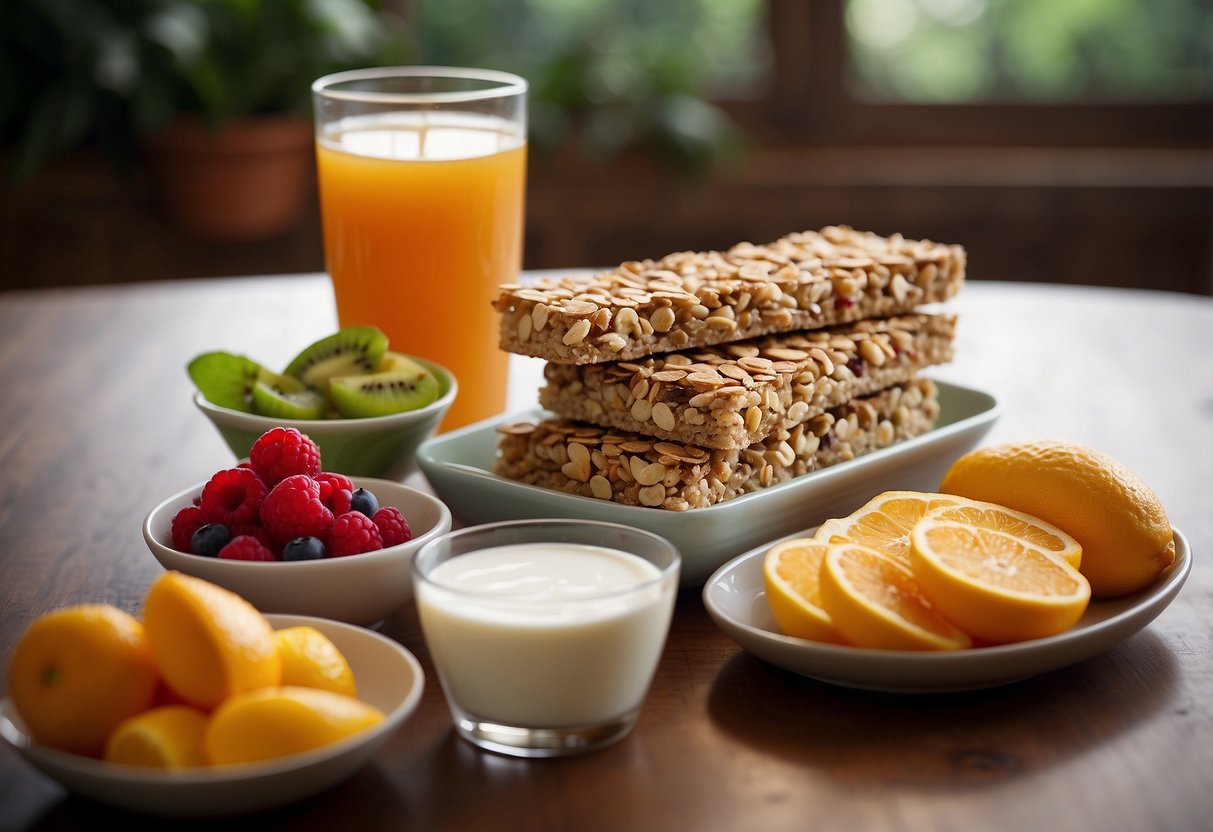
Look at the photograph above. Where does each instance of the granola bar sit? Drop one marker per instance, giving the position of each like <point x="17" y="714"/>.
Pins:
<point x="805" y="280"/>
<point x="733" y="395"/>
<point x="641" y="471"/>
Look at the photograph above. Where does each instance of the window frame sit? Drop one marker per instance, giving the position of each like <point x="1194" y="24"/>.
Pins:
<point x="808" y="103"/>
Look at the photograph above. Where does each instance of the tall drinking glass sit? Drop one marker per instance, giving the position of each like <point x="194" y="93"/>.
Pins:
<point x="422" y="174"/>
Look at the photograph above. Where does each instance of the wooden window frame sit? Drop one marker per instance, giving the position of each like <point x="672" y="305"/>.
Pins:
<point x="808" y="103"/>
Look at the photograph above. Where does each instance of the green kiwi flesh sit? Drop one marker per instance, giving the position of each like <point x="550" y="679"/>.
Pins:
<point x="355" y="350"/>
<point x="225" y="379"/>
<point x="400" y="384"/>
<point x="286" y="397"/>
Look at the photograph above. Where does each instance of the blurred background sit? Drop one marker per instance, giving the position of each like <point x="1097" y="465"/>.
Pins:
<point x="1058" y="141"/>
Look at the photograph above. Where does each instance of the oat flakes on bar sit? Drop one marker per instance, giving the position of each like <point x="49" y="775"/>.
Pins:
<point x="806" y="280"/>
<point x="730" y="396"/>
<point x="637" y="470"/>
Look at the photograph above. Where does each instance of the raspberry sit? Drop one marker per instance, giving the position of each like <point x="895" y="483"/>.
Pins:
<point x="330" y="484"/>
<point x="335" y="491"/>
<point x="255" y="530"/>
<point x="393" y="528"/>
<point x="353" y="533"/>
<point x="246" y="547"/>
<point x="283" y="452"/>
<point x="185" y="523"/>
<point x="340" y="501"/>
<point x="293" y="509"/>
<point x="232" y="496"/>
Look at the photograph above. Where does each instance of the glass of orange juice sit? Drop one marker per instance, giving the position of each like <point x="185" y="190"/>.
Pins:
<point x="422" y="178"/>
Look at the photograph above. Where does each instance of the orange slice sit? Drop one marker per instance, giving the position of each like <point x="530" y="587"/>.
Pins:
<point x="311" y="660"/>
<point x="274" y="722"/>
<point x="884" y="522"/>
<point x="209" y="642"/>
<point x="874" y="601"/>
<point x="997" y="587"/>
<point x="791" y="572"/>
<point x="164" y="737"/>
<point x="1028" y="528"/>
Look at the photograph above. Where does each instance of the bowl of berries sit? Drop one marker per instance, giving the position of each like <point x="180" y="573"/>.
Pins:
<point x="293" y="537"/>
<point x="366" y="406"/>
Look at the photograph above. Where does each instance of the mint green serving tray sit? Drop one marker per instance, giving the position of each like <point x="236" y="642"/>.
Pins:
<point x="459" y="466"/>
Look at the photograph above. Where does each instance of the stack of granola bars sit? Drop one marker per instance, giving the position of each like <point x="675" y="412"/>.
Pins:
<point x="690" y="380"/>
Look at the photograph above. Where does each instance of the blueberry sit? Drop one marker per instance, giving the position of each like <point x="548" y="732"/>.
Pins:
<point x="364" y="501"/>
<point x="303" y="548"/>
<point x="209" y="539"/>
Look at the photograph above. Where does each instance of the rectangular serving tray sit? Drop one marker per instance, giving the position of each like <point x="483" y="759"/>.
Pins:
<point x="458" y="465"/>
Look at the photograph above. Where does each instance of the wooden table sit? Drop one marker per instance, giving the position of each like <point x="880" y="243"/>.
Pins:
<point x="98" y="426"/>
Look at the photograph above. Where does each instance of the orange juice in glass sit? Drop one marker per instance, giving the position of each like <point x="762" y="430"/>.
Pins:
<point x="422" y="177"/>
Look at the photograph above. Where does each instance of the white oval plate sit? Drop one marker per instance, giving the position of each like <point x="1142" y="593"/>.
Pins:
<point x="735" y="599"/>
<point x="388" y="676"/>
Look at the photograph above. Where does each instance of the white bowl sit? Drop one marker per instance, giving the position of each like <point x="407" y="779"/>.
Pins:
<point x="376" y="446"/>
<point x="388" y="676"/>
<point x="358" y="589"/>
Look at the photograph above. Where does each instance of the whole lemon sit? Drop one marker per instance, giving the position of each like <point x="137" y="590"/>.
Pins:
<point x="1119" y="520"/>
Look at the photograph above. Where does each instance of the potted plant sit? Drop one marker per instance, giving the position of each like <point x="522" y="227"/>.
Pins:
<point x="214" y="95"/>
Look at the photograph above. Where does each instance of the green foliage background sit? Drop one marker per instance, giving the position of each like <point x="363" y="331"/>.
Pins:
<point x="105" y="72"/>
<point x="610" y="76"/>
<point x="956" y="51"/>
<point x="606" y="76"/>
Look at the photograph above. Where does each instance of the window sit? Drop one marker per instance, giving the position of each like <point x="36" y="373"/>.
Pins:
<point x="995" y="72"/>
<point x="609" y="75"/>
<point x="1020" y="51"/>
<point x="1058" y="140"/>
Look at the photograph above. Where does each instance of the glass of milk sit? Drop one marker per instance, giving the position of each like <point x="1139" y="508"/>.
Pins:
<point x="545" y="633"/>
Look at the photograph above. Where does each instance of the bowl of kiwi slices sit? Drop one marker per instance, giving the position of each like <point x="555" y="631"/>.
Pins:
<point x="366" y="406"/>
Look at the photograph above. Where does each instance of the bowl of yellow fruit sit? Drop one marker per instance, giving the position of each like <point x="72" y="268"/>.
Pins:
<point x="202" y="706"/>
<point x="366" y="406"/>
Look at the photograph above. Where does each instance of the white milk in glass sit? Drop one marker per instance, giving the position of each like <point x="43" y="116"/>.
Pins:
<point x="546" y="635"/>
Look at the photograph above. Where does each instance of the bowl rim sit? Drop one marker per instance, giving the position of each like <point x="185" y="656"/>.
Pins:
<point x="436" y="407"/>
<point x="281" y="566"/>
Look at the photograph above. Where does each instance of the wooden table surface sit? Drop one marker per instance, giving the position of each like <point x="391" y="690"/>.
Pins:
<point x="97" y="426"/>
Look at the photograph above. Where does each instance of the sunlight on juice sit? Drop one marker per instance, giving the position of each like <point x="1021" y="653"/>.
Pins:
<point x="423" y="220"/>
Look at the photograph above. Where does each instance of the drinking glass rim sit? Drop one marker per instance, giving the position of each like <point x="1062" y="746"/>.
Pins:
<point x="511" y="85"/>
<point x="665" y="572"/>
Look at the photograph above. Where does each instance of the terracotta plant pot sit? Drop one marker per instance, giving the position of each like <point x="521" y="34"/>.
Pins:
<point x="248" y="180"/>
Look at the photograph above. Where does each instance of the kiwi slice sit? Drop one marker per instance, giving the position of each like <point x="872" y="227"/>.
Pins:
<point x="225" y="379"/>
<point x="399" y="384"/>
<point x="352" y="351"/>
<point x="286" y="397"/>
